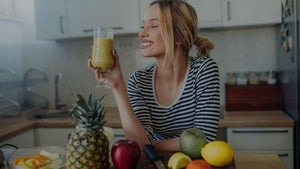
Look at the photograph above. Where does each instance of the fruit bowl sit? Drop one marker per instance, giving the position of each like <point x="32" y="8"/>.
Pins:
<point x="44" y="157"/>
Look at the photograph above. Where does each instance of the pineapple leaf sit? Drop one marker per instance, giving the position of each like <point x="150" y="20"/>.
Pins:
<point x="92" y="101"/>
<point x="81" y="102"/>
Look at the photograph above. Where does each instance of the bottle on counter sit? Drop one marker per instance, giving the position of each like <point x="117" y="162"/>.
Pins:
<point x="231" y="78"/>
<point x="263" y="78"/>
<point x="253" y="78"/>
<point x="242" y="78"/>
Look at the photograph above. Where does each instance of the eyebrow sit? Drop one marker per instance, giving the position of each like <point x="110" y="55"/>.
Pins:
<point x="153" y="19"/>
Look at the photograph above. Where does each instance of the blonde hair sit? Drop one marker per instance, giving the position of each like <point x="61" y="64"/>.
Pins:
<point x="179" y="23"/>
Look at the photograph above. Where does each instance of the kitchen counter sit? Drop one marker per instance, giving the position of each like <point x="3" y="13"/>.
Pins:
<point x="241" y="161"/>
<point x="10" y="127"/>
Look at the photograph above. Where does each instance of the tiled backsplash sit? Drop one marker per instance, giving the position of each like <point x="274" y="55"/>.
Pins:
<point x="236" y="50"/>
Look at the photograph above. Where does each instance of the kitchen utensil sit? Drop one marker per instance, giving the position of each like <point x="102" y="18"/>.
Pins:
<point x="154" y="156"/>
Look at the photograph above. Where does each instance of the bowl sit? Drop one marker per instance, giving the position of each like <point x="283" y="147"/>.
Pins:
<point x="57" y="155"/>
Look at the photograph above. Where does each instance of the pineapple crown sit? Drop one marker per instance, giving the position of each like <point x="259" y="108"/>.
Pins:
<point x="89" y="116"/>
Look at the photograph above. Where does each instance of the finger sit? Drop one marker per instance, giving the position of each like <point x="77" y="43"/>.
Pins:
<point x="90" y="65"/>
<point x="116" y="56"/>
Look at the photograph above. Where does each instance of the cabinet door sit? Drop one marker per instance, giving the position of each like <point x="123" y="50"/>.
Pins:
<point x="83" y="16"/>
<point x="118" y="134"/>
<point x="209" y="12"/>
<point x="52" y="136"/>
<point x="286" y="156"/>
<point x="51" y="19"/>
<point x="254" y="138"/>
<point x="251" y="12"/>
<point x="23" y="140"/>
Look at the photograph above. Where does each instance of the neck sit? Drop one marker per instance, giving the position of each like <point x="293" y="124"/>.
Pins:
<point x="174" y="71"/>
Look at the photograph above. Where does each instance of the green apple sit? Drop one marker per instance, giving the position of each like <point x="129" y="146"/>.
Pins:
<point x="192" y="140"/>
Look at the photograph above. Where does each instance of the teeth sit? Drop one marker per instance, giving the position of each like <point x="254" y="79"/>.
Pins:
<point x="146" y="43"/>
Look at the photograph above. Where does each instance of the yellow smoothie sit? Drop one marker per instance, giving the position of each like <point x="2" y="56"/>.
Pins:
<point x="102" y="54"/>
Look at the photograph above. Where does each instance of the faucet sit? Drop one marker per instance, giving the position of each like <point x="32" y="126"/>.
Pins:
<point x="45" y="78"/>
<point x="58" y="104"/>
<point x="27" y="87"/>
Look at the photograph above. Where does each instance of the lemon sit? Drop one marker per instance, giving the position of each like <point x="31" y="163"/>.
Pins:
<point x="217" y="153"/>
<point x="178" y="160"/>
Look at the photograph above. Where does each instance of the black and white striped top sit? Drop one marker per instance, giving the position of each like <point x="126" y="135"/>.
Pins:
<point x="198" y="104"/>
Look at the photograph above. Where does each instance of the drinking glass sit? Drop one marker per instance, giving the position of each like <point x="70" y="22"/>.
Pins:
<point x="102" y="51"/>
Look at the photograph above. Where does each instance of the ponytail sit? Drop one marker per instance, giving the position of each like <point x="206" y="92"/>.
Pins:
<point x="204" y="46"/>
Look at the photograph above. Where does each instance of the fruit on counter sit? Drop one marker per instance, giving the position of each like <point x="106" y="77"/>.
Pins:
<point x="43" y="160"/>
<point x="178" y="160"/>
<point x="88" y="146"/>
<point x="125" y="154"/>
<point x="217" y="153"/>
<point x="191" y="141"/>
<point x="198" y="164"/>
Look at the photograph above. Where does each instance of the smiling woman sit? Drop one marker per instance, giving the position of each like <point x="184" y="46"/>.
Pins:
<point x="176" y="93"/>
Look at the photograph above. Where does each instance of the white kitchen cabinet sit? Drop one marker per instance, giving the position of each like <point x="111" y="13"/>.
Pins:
<point x="250" y="12"/>
<point x="52" y="136"/>
<point x="275" y="140"/>
<point x="59" y="19"/>
<point x="83" y="16"/>
<point x="51" y="19"/>
<point x="118" y="134"/>
<point x="23" y="140"/>
<point x="209" y="12"/>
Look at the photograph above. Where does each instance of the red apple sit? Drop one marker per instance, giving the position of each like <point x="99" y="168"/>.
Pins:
<point x="125" y="154"/>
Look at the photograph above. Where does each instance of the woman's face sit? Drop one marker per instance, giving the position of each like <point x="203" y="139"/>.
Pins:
<point x="150" y="34"/>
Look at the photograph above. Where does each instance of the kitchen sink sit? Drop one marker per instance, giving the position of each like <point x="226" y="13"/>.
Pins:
<point x="50" y="115"/>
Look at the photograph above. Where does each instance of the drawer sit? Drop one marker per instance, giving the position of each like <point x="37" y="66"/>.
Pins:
<point x="118" y="134"/>
<point x="287" y="157"/>
<point x="260" y="138"/>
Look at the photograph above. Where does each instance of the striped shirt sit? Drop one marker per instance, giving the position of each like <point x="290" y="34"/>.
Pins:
<point x="197" y="105"/>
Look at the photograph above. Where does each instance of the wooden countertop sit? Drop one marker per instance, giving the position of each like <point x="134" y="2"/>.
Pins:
<point x="241" y="161"/>
<point x="10" y="127"/>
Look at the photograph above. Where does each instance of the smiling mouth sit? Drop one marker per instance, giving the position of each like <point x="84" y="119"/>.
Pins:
<point x="146" y="44"/>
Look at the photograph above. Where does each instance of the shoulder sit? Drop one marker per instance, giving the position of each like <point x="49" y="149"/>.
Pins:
<point x="202" y="62"/>
<point x="143" y="73"/>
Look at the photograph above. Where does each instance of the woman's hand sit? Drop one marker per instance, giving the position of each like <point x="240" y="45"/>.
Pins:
<point x="113" y="76"/>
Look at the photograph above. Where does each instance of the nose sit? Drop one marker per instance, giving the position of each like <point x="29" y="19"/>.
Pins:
<point x="143" y="32"/>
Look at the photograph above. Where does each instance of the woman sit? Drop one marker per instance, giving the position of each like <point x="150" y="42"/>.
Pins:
<point x="176" y="93"/>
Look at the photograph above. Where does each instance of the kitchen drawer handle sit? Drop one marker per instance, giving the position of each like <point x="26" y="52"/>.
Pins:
<point x="119" y="135"/>
<point x="283" y="155"/>
<point x="260" y="131"/>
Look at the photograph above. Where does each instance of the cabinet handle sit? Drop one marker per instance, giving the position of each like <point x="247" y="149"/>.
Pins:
<point x="228" y="11"/>
<point x="91" y="30"/>
<point x="260" y="131"/>
<point x="283" y="155"/>
<point x="61" y="24"/>
<point x="117" y="28"/>
<point x="88" y="30"/>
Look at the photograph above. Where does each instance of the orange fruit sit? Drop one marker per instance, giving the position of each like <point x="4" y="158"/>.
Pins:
<point x="21" y="160"/>
<point x="198" y="164"/>
<point x="40" y="160"/>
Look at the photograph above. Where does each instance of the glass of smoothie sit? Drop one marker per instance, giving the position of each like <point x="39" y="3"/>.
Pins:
<point x="102" y="51"/>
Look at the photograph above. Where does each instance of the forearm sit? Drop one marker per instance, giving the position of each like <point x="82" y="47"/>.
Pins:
<point x="167" y="144"/>
<point x="132" y="127"/>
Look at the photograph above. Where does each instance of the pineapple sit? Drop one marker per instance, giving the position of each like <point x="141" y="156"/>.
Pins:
<point x="88" y="146"/>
